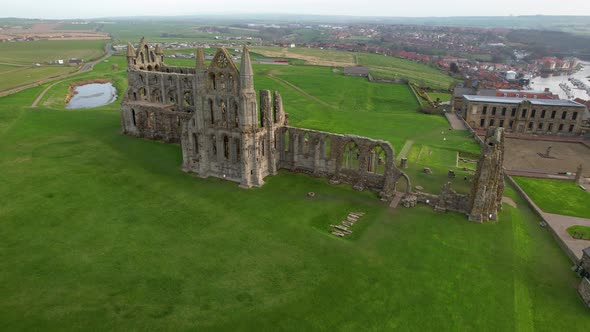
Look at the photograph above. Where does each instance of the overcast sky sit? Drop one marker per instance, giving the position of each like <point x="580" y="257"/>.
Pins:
<point x="102" y="8"/>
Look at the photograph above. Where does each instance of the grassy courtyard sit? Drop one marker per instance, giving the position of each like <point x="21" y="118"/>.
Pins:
<point x="100" y="231"/>
<point x="557" y="196"/>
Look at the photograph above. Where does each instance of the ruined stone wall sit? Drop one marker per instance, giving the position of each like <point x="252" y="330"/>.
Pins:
<point x="152" y="121"/>
<point x="359" y="161"/>
<point x="584" y="291"/>
<point x="178" y="90"/>
<point x="488" y="183"/>
<point x="447" y="200"/>
<point x="585" y="262"/>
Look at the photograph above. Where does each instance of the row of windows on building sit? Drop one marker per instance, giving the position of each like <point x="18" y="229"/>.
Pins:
<point x="530" y="126"/>
<point x="524" y="113"/>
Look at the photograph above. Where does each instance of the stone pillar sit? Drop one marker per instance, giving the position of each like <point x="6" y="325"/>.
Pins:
<point x="316" y="156"/>
<point x="403" y="162"/>
<point x="246" y="163"/>
<point x="294" y="142"/>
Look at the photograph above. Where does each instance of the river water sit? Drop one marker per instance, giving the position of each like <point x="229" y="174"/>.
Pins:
<point x="552" y="82"/>
<point x="93" y="95"/>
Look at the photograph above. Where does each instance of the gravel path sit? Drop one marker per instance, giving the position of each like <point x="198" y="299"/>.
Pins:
<point x="454" y="121"/>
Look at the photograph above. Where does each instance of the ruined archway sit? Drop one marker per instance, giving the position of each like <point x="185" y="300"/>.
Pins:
<point x="405" y="185"/>
<point x="351" y="156"/>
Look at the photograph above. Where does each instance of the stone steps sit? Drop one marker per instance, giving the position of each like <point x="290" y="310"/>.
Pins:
<point x="343" y="229"/>
<point x="396" y="199"/>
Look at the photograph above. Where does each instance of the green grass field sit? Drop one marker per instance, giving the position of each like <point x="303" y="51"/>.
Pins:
<point x="17" y="59"/>
<point x="379" y="65"/>
<point x="579" y="232"/>
<point x="26" y="75"/>
<point x="41" y="51"/>
<point x="100" y="231"/>
<point x="442" y="96"/>
<point x="557" y="196"/>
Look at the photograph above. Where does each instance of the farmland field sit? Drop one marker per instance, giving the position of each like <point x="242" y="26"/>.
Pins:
<point x="100" y="231"/>
<point x="41" y="51"/>
<point x="17" y="59"/>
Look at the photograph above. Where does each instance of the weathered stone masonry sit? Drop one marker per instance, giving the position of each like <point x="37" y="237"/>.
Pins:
<point x="214" y="114"/>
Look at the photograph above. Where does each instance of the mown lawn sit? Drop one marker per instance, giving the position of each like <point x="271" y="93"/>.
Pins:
<point x="557" y="196"/>
<point x="100" y="231"/>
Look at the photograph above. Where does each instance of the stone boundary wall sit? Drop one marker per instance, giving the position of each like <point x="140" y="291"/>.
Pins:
<point x="374" y="79"/>
<point x="584" y="291"/>
<point x="416" y="95"/>
<point x="473" y="133"/>
<point x="539" y="213"/>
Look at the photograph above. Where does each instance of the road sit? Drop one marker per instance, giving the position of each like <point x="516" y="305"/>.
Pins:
<point x="86" y="67"/>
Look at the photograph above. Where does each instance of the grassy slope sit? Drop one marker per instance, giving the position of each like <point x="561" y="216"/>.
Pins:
<point x="379" y="65"/>
<point x="104" y="232"/>
<point x="556" y="196"/>
<point x="384" y="111"/>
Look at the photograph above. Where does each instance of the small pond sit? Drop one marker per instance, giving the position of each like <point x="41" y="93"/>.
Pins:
<point x="93" y="95"/>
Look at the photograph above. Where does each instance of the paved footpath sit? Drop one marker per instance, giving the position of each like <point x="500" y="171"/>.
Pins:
<point x="560" y="224"/>
<point x="454" y="121"/>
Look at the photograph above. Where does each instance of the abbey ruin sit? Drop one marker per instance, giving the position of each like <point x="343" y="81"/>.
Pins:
<point x="225" y="132"/>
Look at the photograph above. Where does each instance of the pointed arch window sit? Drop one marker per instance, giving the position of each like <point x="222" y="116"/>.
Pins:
<point x="236" y="115"/>
<point x="211" y="111"/>
<point x="195" y="143"/>
<point x="377" y="161"/>
<point x="212" y="84"/>
<point x="306" y="143"/>
<point x="286" y="142"/>
<point x="351" y="156"/>
<point x="226" y="147"/>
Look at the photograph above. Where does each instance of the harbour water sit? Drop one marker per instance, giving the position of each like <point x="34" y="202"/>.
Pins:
<point x="553" y="83"/>
<point x="93" y="95"/>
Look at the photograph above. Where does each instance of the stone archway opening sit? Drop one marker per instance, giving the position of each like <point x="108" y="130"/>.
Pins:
<point x="402" y="183"/>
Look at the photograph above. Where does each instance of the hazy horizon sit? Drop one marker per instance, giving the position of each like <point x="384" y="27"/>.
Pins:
<point x="61" y="9"/>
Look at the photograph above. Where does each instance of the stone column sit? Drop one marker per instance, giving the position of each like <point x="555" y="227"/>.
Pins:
<point x="403" y="162"/>
<point x="316" y="156"/>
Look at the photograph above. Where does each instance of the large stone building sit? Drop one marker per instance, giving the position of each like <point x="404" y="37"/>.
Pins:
<point x="213" y="112"/>
<point x="524" y="116"/>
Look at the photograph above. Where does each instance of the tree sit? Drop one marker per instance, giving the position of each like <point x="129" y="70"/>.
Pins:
<point x="454" y="68"/>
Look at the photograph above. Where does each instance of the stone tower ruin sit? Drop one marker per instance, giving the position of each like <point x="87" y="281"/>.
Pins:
<point x="485" y="199"/>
